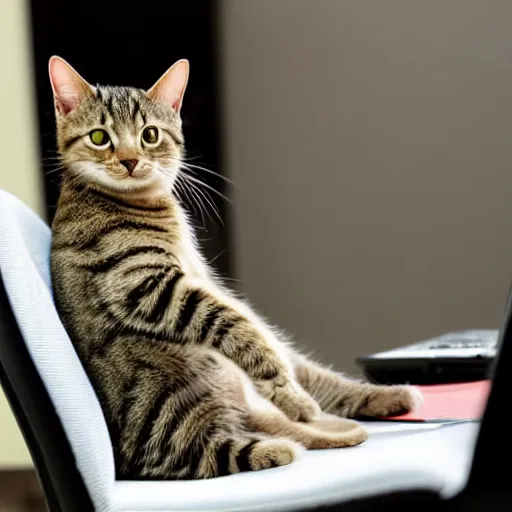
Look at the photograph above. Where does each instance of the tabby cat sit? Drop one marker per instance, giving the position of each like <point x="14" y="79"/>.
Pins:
<point x="192" y="382"/>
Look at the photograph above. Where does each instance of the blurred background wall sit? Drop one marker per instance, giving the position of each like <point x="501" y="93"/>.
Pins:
<point x="20" y="170"/>
<point x="19" y="489"/>
<point x="371" y="142"/>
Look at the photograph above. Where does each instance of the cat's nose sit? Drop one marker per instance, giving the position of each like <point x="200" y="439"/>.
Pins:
<point x="129" y="164"/>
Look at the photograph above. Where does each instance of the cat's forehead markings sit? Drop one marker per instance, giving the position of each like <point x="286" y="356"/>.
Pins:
<point x="123" y="104"/>
<point x="135" y="110"/>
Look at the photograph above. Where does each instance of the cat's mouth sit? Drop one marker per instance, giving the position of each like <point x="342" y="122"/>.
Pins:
<point x="129" y="169"/>
<point x="137" y="180"/>
<point x="137" y="174"/>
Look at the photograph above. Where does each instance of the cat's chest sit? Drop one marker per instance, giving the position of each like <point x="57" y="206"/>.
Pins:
<point x="190" y="259"/>
<point x="186" y="250"/>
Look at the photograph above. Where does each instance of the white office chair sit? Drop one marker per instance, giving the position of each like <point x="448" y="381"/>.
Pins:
<point x="63" y="423"/>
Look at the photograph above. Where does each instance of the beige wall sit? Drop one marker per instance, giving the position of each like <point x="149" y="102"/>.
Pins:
<point x="372" y="144"/>
<point x="19" y="173"/>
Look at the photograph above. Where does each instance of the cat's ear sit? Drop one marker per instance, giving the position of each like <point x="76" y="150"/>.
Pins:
<point x="69" y="88"/>
<point x="171" y="86"/>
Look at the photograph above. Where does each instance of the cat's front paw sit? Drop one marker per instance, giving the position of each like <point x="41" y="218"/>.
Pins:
<point x="290" y="398"/>
<point x="384" y="401"/>
<point x="296" y="403"/>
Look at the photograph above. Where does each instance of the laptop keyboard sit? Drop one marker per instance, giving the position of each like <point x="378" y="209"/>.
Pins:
<point x="461" y="340"/>
<point x="460" y="356"/>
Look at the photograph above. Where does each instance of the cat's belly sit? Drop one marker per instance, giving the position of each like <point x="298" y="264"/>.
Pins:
<point x="253" y="400"/>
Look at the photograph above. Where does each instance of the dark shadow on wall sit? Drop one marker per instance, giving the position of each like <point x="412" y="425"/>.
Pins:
<point x="111" y="42"/>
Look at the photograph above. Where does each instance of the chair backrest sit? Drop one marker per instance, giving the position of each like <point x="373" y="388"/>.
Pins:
<point x="31" y="325"/>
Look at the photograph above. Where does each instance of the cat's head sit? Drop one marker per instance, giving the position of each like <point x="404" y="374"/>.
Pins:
<point x="119" y="138"/>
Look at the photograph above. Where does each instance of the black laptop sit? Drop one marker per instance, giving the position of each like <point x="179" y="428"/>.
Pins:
<point x="460" y="356"/>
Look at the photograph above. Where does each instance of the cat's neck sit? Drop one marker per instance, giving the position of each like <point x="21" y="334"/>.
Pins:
<point x="162" y="208"/>
<point x="143" y="201"/>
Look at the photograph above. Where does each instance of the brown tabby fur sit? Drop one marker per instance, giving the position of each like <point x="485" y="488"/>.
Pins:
<point x="193" y="384"/>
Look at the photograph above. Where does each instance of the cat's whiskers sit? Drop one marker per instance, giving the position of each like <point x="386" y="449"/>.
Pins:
<point x="209" y="187"/>
<point x="192" y="167"/>
<point x="54" y="163"/>
<point x="193" y="199"/>
<point x="215" y="258"/>
<point x="189" y="158"/>
<point x="54" y="151"/>
<point x="198" y="200"/>
<point x="55" y="169"/>
<point x="178" y="191"/>
<point x="199" y="197"/>
<point x="190" y="183"/>
<point x="189" y="192"/>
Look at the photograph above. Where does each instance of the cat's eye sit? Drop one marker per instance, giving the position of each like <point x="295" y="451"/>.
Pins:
<point x="99" y="137"/>
<point x="150" y="135"/>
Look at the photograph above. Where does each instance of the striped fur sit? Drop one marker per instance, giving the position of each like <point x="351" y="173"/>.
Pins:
<point x="193" y="383"/>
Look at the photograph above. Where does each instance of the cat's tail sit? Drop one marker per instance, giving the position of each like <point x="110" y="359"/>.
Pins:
<point x="326" y="432"/>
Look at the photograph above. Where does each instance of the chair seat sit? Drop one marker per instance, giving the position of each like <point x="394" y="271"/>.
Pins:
<point x="435" y="460"/>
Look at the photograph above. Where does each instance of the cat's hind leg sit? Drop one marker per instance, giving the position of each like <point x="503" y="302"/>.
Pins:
<point x="316" y="435"/>
<point x="345" y="397"/>
<point x="183" y="415"/>
<point x="321" y="433"/>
